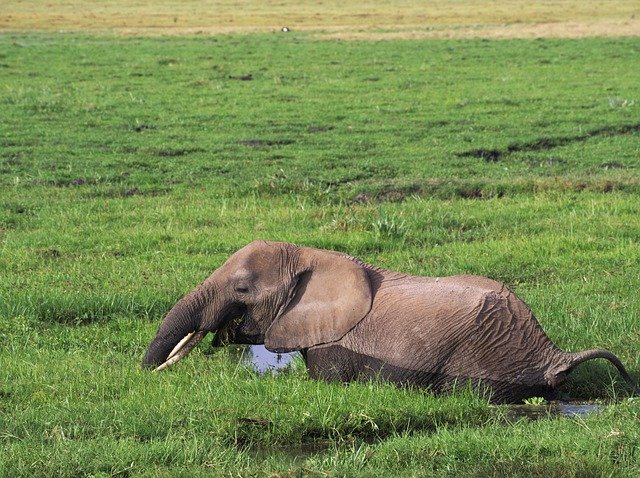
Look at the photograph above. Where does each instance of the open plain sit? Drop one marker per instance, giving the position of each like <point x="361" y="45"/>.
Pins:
<point x="142" y="143"/>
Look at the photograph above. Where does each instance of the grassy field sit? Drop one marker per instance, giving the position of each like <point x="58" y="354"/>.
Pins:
<point x="132" y="166"/>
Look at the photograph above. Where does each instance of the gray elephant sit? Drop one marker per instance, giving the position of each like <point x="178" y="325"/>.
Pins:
<point x="354" y="321"/>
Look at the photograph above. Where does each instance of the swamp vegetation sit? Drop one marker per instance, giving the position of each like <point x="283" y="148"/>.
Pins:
<point x="131" y="167"/>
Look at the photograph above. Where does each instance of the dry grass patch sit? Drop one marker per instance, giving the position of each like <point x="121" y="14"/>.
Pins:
<point x="629" y="28"/>
<point x="373" y="19"/>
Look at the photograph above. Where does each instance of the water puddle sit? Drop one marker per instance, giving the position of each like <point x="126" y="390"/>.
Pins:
<point x="259" y="358"/>
<point x="552" y="410"/>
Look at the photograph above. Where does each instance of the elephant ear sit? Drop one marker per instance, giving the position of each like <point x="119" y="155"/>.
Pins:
<point x="332" y="295"/>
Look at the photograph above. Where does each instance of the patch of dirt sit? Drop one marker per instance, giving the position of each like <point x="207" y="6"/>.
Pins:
<point x="489" y="155"/>
<point x="119" y="193"/>
<point x="176" y="152"/>
<point x="265" y="143"/>
<point x="545" y="144"/>
<point x="612" y="165"/>
<point x="140" y="127"/>
<point x="247" y="77"/>
<point x="320" y="128"/>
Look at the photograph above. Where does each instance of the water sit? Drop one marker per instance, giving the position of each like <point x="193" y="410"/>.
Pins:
<point x="260" y="359"/>
<point x="553" y="410"/>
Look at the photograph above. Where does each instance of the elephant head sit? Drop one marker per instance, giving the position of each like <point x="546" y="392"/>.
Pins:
<point x="284" y="296"/>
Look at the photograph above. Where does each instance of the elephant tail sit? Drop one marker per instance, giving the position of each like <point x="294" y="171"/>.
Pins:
<point x="577" y="358"/>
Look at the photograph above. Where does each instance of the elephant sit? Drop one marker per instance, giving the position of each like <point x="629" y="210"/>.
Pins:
<point x="355" y="321"/>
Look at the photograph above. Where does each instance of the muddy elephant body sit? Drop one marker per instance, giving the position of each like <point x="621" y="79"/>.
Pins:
<point x="354" y="321"/>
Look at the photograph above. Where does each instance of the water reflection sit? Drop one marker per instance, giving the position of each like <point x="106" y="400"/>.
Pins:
<point x="260" y="359"/>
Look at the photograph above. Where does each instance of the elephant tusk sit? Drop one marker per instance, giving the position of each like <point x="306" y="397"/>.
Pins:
<point x="186" y="345"/>
<point x="177" y="348"/>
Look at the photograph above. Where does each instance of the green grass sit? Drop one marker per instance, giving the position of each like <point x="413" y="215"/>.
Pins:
<point x="117" y="117"/>
<point x="130" y="168"/>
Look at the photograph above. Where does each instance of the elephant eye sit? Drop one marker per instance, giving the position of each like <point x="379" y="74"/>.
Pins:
<point x="242" y="288"/>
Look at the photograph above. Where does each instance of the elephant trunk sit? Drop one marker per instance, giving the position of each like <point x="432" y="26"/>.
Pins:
<point x="184" y="327"/>
<point x="181" y="320"/>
